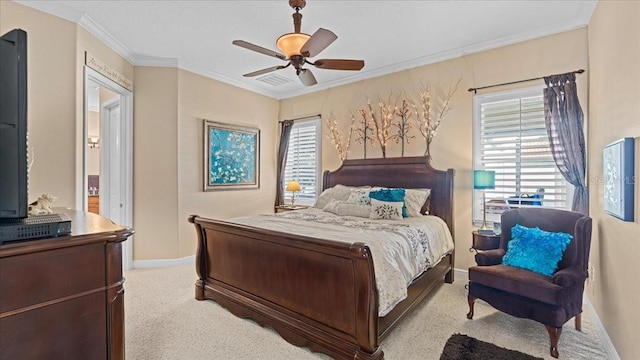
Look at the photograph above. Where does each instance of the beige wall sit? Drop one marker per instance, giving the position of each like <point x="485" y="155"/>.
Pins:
<point x="55" y="96"/>
<point x="452" y="147"/>
<point x="202" y="98"/>
<point x="155" y="158"/>
<point x="614" y="50"/>
<point x="168" y="136"/>
<point x="51" y="82"/>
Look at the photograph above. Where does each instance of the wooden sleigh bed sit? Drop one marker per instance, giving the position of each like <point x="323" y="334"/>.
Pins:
<point x="317" y="293"/>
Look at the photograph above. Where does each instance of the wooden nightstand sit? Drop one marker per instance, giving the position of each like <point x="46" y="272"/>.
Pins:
<point x="484" y="242"/>
<point x="283" y="208"/>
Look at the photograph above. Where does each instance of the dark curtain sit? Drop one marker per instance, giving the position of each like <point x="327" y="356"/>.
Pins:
<point x="285" y="132"/>
<point x="564" y="121"/>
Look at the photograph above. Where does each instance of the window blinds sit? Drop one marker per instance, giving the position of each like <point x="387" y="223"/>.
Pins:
<point x="512" y="140"/>
<point x="303" y="161"/>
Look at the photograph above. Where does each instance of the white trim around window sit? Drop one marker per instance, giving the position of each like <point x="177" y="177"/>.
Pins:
<point x="510" y="137"/>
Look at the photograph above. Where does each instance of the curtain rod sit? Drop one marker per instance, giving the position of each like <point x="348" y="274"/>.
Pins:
<point x="302" y="118"/>
<point x="475" y="90"/>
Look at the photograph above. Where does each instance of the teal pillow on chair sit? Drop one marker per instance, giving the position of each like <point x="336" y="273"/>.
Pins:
<point x="390" y="195"/>
<point x="536" y="250"/>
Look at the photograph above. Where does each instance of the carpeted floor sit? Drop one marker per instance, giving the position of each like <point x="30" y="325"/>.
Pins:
<point x="164" y="321"/>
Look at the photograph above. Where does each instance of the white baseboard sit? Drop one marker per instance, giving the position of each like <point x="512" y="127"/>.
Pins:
<point x="156" y="263"/>
<point x="461" y="275"/>
<point x="611" y="351"/>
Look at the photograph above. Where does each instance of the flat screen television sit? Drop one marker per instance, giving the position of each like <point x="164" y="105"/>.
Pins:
<point x="14" y="201"/>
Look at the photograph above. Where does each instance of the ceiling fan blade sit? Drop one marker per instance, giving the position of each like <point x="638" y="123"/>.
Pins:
<point x="264" y="71"/>
<point x="339" y="64"/>
<point x="306" y="77"/>
<point x="260" y="49"/>
<point x="317" y="42"/>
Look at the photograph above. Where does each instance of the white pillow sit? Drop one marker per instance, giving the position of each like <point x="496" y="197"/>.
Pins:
<point x="386" y="210"/>
<point x="332" y="206"/>
<point x="338" y="192"/>
<point x="359" y="197"/>
<point x="344" y="208"/>
<point x="414" y="199"/>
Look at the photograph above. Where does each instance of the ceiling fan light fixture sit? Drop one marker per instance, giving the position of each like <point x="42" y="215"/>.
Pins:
<point x="291" y="43"/>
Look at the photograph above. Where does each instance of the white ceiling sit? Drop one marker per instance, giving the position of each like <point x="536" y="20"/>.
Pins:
<point x="389" y="35"/>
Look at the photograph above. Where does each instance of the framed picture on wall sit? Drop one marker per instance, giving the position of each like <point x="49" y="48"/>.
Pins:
<point x="619" y="178"/>
<point x="231" y="156"/>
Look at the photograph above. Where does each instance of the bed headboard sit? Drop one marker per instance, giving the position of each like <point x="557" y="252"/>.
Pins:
<point x="406" y="172"/>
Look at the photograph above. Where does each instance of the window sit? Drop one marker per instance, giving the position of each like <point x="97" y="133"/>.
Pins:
<point x="303" y="161"/>
<point x="510" y="137"/>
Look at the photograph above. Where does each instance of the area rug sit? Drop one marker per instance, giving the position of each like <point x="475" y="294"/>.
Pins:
<point x="463" y="347"/>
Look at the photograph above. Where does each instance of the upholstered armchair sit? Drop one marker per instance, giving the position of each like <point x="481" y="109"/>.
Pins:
<point x="551" y="299"/>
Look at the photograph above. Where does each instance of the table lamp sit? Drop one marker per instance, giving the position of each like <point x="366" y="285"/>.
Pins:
<point x="482" y="180"/>
<point x="294" y="187"/>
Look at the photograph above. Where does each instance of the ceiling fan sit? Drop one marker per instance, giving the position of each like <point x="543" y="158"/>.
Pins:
<point x="298" y="47"/>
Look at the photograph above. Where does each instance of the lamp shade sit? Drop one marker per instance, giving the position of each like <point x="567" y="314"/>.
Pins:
<point x="291" y="43"/>
<point x="484" y="179"/>
<point x="293" y="186"/>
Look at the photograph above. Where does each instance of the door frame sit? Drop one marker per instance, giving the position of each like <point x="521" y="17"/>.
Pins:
<point x="126" y="137"/>
<point x="107" y="152"/>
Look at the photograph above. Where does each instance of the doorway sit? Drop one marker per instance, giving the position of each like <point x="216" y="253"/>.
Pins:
<point x="108" y="156"/>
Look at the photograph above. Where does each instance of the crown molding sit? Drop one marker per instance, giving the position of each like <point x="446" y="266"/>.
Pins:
<point x="103" y="35"/>
<point x="215" y="76"/>
<point x="434" y="58"/>
<point x="142" y="60"/>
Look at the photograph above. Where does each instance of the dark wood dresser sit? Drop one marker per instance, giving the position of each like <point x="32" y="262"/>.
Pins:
<point x="63" y="298"/>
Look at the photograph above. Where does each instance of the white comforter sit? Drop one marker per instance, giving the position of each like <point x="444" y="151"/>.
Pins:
<point x="401" y="249"/>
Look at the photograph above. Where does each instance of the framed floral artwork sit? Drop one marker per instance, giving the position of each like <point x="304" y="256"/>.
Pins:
<point x="231" y="156"/>
<point x="619" y="178"/>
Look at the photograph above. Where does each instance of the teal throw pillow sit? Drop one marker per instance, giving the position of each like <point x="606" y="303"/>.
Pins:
<point x="536" y="250"/>
<point x="390" y="195"/>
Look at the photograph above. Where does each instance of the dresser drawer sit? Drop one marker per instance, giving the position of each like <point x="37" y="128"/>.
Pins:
<point x="73" y="329"/>
<point x="39" y="277"/>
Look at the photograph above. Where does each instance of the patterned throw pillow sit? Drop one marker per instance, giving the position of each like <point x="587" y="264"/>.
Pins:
<point x="390" y="195"/>
<point x="359" y="197"/>
<point x="386" y="210"/>
<point x="536" y="250"/>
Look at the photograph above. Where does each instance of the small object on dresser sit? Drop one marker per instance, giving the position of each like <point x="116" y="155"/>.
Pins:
<point x="42" y="205"/>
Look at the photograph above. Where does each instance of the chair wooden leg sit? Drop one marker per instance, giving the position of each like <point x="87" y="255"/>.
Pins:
<point x="579" y="322"/>
<point x="471" y="301"/>
<point x="554" y="336"/>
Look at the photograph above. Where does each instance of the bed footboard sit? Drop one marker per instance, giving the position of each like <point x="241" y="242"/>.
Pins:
<point x="315" y="293"/>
